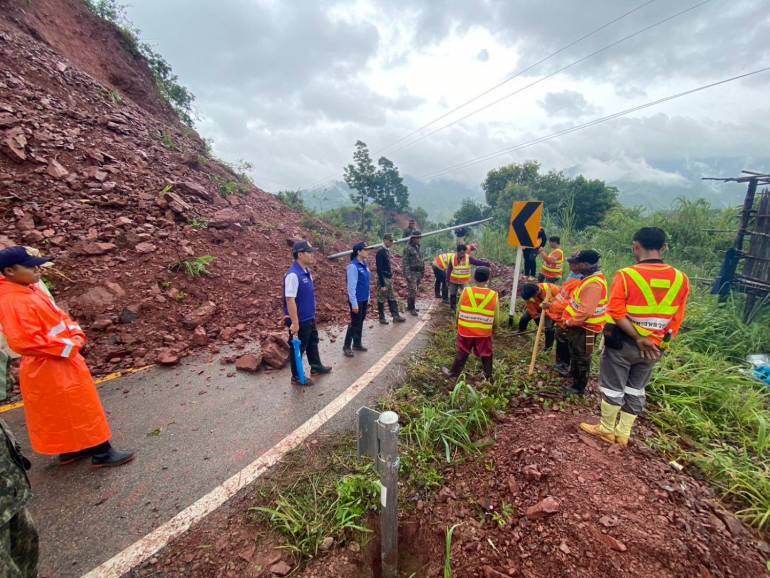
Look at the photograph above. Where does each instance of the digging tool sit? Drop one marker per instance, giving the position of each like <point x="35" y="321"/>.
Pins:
<point x="536" y="346"/>
<point x="296" y="347"/>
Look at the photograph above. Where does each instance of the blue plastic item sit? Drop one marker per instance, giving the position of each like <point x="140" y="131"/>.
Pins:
<point x="762" y="373"/>
<point x="296" y="347"/>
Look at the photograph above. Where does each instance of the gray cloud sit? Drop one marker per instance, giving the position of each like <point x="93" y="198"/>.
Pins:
<point x="566" y="103"/>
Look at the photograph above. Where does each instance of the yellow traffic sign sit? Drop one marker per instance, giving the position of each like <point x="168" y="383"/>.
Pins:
<point x="524" y="223"/>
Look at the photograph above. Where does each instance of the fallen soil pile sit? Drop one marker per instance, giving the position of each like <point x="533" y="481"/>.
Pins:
<point x="96" y="171"/>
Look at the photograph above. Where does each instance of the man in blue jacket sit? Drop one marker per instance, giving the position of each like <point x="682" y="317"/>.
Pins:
<point x="359" y="279"/>
<point x="299" y="308"/>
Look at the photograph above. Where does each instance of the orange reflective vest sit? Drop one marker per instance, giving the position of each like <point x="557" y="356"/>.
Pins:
<point x="476" y="312"/>
<point x="62" y="408"/>
<point x="560" y="302"/>
<point x="548" y="291"/>
<point x="461" y="272"/>
<point x="654" y="295"/>
<point x="442" y="261"/>
<point x="554" y="270"/>
<point x="599" y="317"/>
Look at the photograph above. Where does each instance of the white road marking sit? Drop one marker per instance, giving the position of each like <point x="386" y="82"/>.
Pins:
<point x="146" y="547"/>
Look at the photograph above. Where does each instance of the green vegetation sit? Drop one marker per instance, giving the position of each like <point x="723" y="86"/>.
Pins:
<point x="179" y="97"/>
<point x="448" y="551"/>
<point x="198" y="223"/>
<point x="195" y="267"/>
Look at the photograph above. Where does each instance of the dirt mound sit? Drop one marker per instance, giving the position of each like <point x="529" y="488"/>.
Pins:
<point x="547" y="501"/>
<point x="94" y="172"/>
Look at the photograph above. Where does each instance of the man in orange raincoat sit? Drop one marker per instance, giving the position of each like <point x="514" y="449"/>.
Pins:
<point x="63" y="410"/>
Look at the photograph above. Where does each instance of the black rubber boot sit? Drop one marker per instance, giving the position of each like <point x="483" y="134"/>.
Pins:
<point x="410" y="307"/>
<point x="395" y="313"/>
<point x="486" y="364"/>
<point x="111" y="458"/>
<point x="550" y="336"/>
<point x="457" y="366"/>
<point x="453" y="302"/>
<point x="381" y="311"/>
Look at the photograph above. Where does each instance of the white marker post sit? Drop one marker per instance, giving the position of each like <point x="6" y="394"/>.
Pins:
<point x="515" y="288"/>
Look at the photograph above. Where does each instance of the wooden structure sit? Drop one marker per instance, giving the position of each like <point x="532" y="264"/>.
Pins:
<point x="754" y="277"/>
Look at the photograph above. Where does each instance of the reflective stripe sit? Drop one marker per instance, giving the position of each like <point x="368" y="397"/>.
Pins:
<point x="476" y="315"/>
<point x="633" y="391"/>
<point x="651" y="323"/>
<point x="611" y="393"/>
<point x="61" y="327"/>
<point x="68" y="349"/>
<point x="665" y="306"/>
<point x="599" y="316"/>
<point x="75" y="327"/>
<point x="461" y="272"/>
<point x="558" y="266"/>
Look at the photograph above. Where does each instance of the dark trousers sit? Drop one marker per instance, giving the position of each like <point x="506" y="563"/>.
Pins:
<point x="548" y="328"/>
<point x="356" y="328"/>
<point x="308" y="340"/>
<point x="440" y="287"/>
<point x="530" y="263"/>
<point x="580" y="344"/>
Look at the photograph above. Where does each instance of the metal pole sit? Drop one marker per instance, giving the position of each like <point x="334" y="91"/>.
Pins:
<point x="515" y="288"/>
<point x="405" y="239"/>
<point x="388" y="463"/>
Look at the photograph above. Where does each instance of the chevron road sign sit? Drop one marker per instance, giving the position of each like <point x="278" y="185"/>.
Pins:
<point x="524" y="223"/>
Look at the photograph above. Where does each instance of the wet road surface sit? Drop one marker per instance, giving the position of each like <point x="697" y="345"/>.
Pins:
<point x="193" y="426"/>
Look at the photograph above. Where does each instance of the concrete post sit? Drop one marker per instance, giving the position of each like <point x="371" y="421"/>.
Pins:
<point x="388" y="464"/>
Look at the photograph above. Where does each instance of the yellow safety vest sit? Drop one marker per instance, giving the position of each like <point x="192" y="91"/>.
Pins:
<point x="600" y="317"/>
<point x="476" y="312"/>
<point x="442" y="261"/>
<point x="554" y="271"/>
<point x="650" y="316"/>
<point x="461" y="272"/>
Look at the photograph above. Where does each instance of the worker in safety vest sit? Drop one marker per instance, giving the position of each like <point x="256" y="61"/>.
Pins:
<point x="583" y="318"/>
<point x="440" y="265"/>
<point x="475" y="324"/>
<point x="459" y="272"/>
<point x="63" y="411"/>
<point x="534" y="294"/>
<point x="647" y="305"/>
<point x="553" y="262"/>
<point x="555" y="309"/>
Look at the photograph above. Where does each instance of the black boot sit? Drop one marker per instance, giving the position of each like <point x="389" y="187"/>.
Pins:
<point x="111" y="458"/>
<point x="348" y="342"/>
<point x="486" y="365"/>
<point x="381" y="311"/>
<point x="410" y="306"/>
<point x="457" y="366"/>
<point x="549" y="338"/>
<point x="395" y="313"/>
<point x="453" y="302"/>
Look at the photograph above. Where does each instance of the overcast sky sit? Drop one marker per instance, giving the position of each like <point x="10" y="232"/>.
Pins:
<point x="290" y="85"/>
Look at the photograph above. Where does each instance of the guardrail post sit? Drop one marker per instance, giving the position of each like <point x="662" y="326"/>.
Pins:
<point x="388" y="464"/>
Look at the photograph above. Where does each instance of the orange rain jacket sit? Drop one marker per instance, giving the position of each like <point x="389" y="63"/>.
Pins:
<point x="62" y="407"/>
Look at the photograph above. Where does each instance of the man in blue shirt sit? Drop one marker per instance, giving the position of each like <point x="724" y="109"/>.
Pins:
<point x="299" y="308"/>
<point x="359" y="278"/>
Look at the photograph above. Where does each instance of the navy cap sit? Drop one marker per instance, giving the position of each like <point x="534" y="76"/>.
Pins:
<point x="19" y="256"/>
<point x="303" y="246"/>
<point x="585" y="256"/>
<point x="359" y="247"/>
<point x="416" y="233"/>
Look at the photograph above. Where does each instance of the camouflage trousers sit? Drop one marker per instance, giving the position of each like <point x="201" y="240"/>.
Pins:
<point x="413" y="285"/>
<point x="5" y="382"/>
<point x="385" y="292"/>
<point x="19" y="546"/>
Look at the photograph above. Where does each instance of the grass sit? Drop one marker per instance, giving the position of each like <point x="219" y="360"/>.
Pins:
<point x="448" y="551"/>
<point x="195" y="267"/>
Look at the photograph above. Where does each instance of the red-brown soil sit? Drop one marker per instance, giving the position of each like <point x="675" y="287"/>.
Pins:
<point x="619" y="513"/>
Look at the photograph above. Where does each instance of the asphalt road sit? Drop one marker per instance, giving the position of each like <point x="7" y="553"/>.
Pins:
<point x="193" y="426"/>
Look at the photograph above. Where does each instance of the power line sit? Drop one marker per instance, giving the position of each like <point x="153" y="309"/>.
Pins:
<point x="591" y="123"/>
<point x="317" y="184"/>
<point x="516" y="75"/>
<point x="562" y="69"/>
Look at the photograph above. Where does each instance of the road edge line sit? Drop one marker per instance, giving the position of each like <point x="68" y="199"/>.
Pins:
<point x="145" y="547"/>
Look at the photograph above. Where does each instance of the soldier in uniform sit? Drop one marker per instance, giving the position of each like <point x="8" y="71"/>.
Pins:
<point x="18" y="535"/>
<point x="414" y="269"/>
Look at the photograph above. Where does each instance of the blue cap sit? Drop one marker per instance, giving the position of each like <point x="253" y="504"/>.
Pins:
<point x="19" y="256"/>
<point x="359" y="247"/>
<point x="303" y="246"/>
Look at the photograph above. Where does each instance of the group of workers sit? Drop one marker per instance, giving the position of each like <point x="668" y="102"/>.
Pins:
<point x="638" y="315"/>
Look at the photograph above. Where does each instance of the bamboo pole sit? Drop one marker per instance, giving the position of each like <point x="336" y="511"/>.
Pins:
<point x="536" y="346"/>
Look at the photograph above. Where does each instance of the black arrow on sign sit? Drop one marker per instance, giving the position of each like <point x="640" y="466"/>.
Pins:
<point x="519" y="224"/>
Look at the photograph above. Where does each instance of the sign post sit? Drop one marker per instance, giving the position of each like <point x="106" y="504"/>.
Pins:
<point x="378" y="439"/>
<point x="523" y="229"/>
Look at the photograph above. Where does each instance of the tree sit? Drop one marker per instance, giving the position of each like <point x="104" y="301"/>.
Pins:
<point x="361" y="176"/>
<point x="469" y="210"/>
<point x="391" y="192"/>
<point x="497" y="179"/>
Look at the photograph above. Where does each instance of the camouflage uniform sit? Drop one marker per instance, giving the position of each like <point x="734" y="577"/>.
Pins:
<point x="414" y="269"/>
<point x="18" y="535"/>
